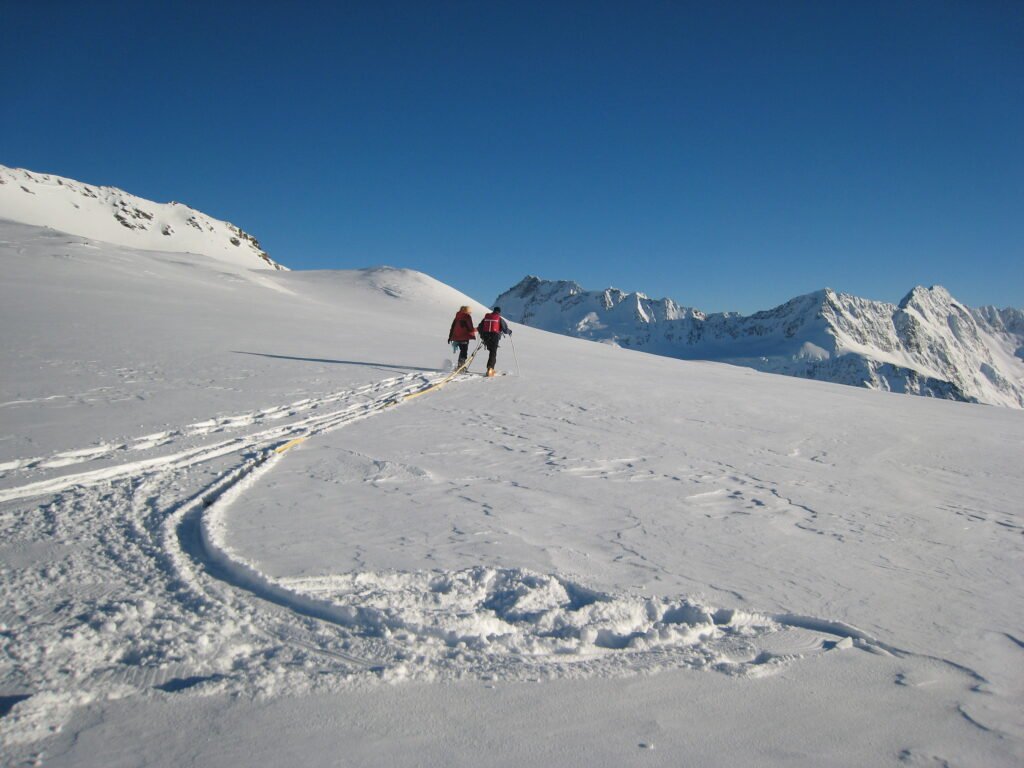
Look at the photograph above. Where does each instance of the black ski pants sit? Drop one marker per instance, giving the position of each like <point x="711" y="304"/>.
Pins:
<point x="463" y="352"/>
<point x="491" y="342"/>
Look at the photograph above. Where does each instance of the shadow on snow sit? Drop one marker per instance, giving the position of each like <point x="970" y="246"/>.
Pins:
<point x="336" y="362"/>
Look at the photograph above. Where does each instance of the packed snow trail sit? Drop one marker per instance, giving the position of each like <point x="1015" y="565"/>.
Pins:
<point x="291" y="434"/>
<point x="269" y="439"/>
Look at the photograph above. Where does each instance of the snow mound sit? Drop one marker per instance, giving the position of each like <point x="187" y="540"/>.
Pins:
<point x="115" y="216"/>
<point x="516" y="611"/>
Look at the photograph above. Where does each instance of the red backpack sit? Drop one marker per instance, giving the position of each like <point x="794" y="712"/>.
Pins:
<point x="491" y="323"/>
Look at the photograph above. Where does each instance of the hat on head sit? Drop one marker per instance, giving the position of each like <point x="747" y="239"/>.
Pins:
<point x="497" y="309"/>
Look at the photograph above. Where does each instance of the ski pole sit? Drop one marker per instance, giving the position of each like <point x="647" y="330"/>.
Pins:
<point x="514" y="355"/>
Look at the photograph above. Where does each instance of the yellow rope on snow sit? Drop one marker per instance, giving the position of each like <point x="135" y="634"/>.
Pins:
<point x="290" y="444"/>
<point x="447" y="378"/>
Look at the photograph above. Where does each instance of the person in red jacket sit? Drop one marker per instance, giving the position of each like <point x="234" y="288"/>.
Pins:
<point x="462" y="332"/>
<point x="492" y="328"/>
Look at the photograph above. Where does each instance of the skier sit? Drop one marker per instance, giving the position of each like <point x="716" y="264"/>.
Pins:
<point x="492" y="328"/>
<point x="462" y="332"/>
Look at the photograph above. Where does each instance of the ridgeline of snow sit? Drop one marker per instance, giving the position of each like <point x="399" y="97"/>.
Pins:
<point x="930" y="344"/>
<point x="114" y="216"/>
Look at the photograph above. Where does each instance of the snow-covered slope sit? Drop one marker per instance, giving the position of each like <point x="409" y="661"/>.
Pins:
<point x="228" y="537"/>
<point x="114" y="216"/>
<point x="930" y="344"/>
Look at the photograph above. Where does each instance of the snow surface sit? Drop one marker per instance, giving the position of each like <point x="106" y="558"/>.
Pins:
<point x="604" y="558"/>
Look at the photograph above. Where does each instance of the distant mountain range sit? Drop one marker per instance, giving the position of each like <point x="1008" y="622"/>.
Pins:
<point x="929" y="344"/>
<point x="115" y="216"/>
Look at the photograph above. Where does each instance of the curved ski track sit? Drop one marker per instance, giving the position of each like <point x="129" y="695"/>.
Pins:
<point x="152" y="542"/>
<point x="140" y="543"/>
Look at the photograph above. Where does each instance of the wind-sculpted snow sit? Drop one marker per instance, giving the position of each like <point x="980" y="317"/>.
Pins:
<point x="929" y="344"/>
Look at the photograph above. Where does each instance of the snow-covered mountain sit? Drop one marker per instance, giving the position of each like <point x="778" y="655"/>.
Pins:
<point x="115" y="216"/>
<point x="929" y="344"/>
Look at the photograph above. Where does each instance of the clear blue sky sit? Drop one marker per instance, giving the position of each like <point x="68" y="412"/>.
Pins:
<point x="728" y="155"/>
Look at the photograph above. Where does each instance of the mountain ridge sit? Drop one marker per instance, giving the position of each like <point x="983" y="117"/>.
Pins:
<point x="114" y="216"/>
<point x="927" y="344"/>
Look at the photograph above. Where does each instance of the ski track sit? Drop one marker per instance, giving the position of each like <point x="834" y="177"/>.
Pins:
<point x="131" y="605"/>
<point x="168" y="606"/>
<point x="223" y="424"/>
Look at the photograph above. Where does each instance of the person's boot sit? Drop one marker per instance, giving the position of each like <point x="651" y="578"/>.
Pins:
<point x="490" y="372"/>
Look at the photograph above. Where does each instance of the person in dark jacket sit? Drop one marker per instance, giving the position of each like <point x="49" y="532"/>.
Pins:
<point x="462" y="332"/>
<point x="492" y="328"/>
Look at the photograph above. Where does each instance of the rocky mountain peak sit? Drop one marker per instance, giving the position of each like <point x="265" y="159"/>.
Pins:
<point x="928" y="344"/>
<point x="928" y="299"/>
